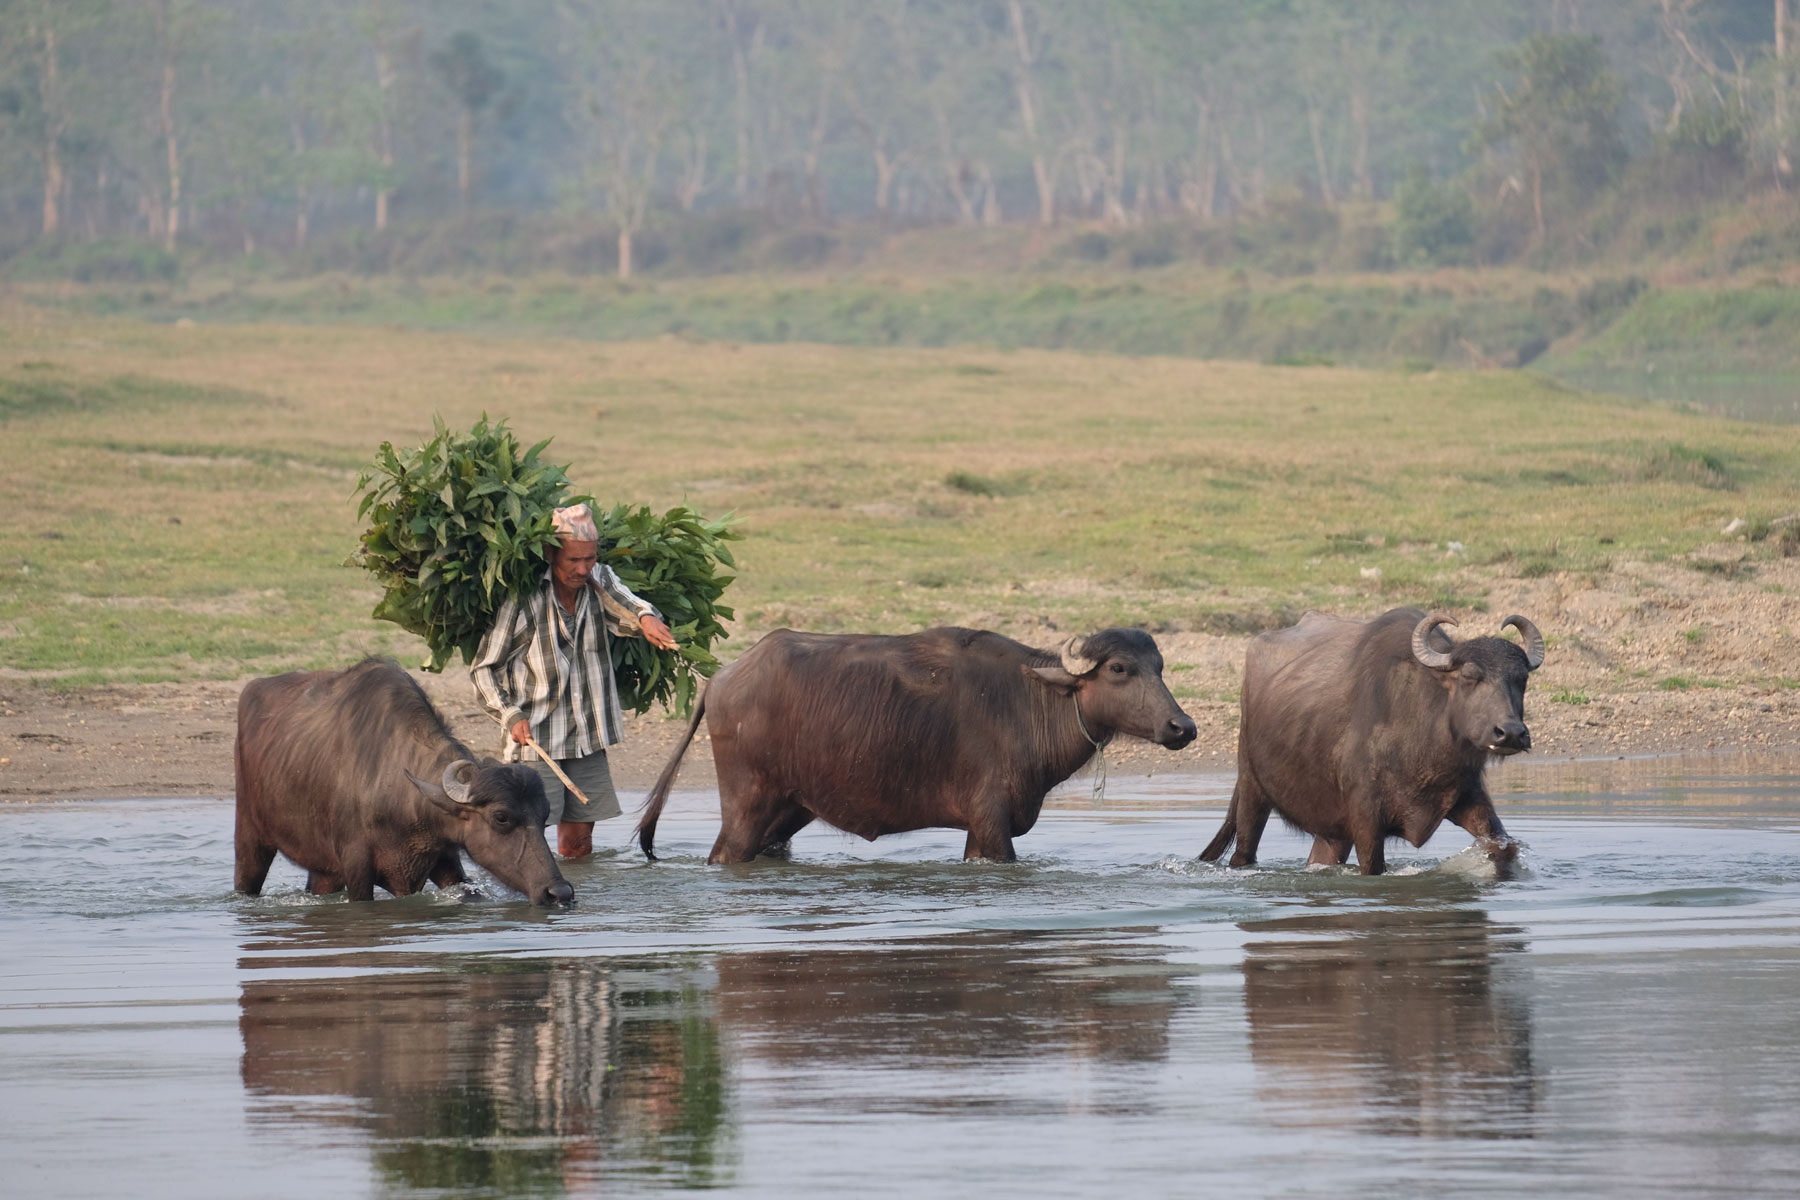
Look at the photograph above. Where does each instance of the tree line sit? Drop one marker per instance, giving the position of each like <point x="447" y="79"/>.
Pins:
<point x="250" y="123"/>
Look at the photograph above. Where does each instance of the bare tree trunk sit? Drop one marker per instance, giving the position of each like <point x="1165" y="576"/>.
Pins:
<point x="301" y="198"/>
<point x="624" y="252"/>
<point x="51" y="92"/>
<point x="465" y="137"/>
<point x="885" y="170"/>
<point x="1199" y="194"/>
<point x="1040" y="167"/>
<point x="1319" y="164"/>
<point x="1259" y="178"/>
<point x="150" y="208"/>
<point x="1537" y="204"/>
<point x="172" y="229"/>
<point x="953" y="168"/>
<point x="1115" y="179"/>
<point x="97" y="213"/>
<point x="814" y="199"/>
<point x="1228" y="164"/>
<point x="740" y="73"/>
<point x="242" y="189"/>
<point x="955" y="173"/>
<point x="384" y="128"/>
<point x="1363" y="184"/>
<point x="692" y="184"/>
<point x="990" y="195"/>
<point x="1783" y="168"/>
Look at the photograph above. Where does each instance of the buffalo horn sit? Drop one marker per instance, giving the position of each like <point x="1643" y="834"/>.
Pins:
<point x="1528" y="633"/>
<point x="454" y="787"/>
<point x="1072" y="660"/>
<point x="1437" y="660"/>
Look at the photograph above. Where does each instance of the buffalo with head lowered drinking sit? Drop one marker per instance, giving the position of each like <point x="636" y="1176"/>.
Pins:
<point x="1358" y="731"/>
<point x="949" y="728"/>
<point x="354" y="775"/>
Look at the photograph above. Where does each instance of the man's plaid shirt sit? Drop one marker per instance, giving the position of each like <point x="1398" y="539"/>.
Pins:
<point x="554" y="669"/>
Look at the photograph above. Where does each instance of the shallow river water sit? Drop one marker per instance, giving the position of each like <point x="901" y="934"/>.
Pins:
<point x="1106" y="1017"/>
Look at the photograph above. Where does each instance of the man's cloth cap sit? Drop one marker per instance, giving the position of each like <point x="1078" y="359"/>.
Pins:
<point x="575" y="523"/>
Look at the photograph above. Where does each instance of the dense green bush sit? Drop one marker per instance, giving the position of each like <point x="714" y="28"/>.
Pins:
<point x="1433" y="222"/>
<point x="110" y="260"/>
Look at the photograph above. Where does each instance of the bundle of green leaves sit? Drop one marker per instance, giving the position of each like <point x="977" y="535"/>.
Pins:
<point x="673" y="562"/>
<point x="463" y="523"/>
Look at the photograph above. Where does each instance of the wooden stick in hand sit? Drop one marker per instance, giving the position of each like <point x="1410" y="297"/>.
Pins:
<point x="558" y="771"/>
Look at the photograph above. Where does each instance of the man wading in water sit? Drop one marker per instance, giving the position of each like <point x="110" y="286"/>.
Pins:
<point x="544" y="671"/>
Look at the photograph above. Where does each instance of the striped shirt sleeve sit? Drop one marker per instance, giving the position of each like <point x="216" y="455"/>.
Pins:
<point x="607" y="580"/>
<point x="490" y="669"/>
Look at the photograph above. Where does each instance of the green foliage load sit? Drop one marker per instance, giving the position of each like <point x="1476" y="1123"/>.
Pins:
<point x="461" y="524"/>
<point x="672" y="561"/>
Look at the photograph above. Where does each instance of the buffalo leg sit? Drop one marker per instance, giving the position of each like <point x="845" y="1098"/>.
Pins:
<point x="1250" y="809"/>
<point x="1330" y="852"/>
<point x="1250" y="831"/>
<point x="449" y="870"/>
<point x="992" y="849"/>
<point x="359" y="880"/>
<point x="253" y="862"/>
<point x="1371" y="852"/>
<point x="990" y="836"/>
<point x="320" y="883"/>
<point x="748" y="818"/>
<point x="1476" y="814"/>
<point x="1244" y="822"/>
<point x="781" y="833"/>
<point x="733" y="846"/>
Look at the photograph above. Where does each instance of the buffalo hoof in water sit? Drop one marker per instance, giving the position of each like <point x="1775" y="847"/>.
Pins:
<point x="1503" y="853"/>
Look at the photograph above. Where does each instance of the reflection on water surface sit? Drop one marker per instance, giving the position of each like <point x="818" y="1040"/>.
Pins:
<point x="1398" y="1021"/>
<point x="1105" y="1017"/>
<point x="516" y="1076"/>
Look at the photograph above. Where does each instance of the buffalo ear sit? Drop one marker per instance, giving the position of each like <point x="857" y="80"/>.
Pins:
<point x="437" y="796"/>
<point x="1054" y="678"/>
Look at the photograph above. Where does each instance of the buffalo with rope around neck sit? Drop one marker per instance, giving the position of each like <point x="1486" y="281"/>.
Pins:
<point x="956" y="728"/>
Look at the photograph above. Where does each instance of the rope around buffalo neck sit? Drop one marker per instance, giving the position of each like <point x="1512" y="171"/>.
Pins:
<point x="1099" y="751"/>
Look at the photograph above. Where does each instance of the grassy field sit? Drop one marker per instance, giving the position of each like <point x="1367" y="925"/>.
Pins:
<point x="177" y="501"/>
<point x="1726" y="346"/>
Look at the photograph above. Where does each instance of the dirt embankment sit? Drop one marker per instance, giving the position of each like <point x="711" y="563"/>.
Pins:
<point x="1661" y="659"/>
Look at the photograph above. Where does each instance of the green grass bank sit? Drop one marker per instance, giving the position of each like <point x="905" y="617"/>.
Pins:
<point x="179" y="502"/>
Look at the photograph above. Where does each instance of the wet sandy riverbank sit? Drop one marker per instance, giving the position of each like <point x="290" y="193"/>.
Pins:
<point x="1644" y="659"/>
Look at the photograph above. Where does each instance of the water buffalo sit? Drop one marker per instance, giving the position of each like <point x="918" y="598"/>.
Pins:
<point x="953" y="728"/>
<point x="354" y="775"/>
<point x="1358" y="731"/>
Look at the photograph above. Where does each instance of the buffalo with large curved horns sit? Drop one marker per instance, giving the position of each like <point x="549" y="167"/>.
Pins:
<point x="1358" y="731"/>
<point x="954" y="728"/>
<point x="354" y="775"/>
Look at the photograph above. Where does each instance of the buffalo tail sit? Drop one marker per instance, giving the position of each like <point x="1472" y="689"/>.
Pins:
<point x="659" y="794"/>
<point x="1227" y="833"/>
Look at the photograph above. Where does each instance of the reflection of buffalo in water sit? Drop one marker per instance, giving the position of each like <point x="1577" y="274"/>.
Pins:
<point x="512" y="1077"/>
<point x="1392" y="1020"/>
<point x="530" y="1076"/>
<point x="952" y="1000"/>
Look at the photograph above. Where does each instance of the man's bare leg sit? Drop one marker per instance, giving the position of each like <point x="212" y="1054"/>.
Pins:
<point x="575" y="839"/>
